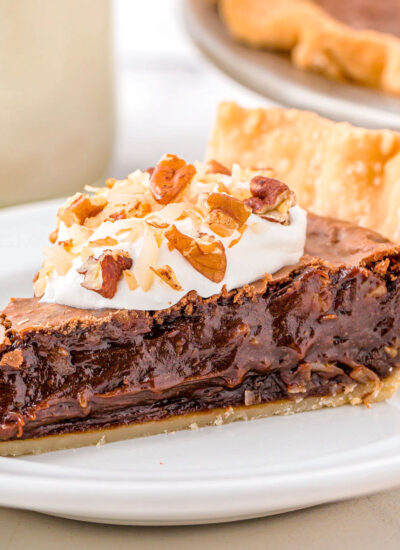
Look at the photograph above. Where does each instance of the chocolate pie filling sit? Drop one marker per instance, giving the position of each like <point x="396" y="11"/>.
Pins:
<point x="316" y="329"/>
<point x="378" y="15"/>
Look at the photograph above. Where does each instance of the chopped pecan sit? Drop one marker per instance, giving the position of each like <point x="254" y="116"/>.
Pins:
<point x="102" y="274"/>
<point x="364" y="375"/>
<point x="205" y="254"/>
<point x="169" y="177"/>
<point x="382" y="267"/>
<point x="225" y="213"/>
<point x="298" y="380"/>
<point x="251" y="398"/>
<point x="13" y="359"/>
<point x="271" y="199"/>
<point x="83" y="206"/>
<point x="166" y="274"/>
<point x="215" y="167"/>
<point x="327" y="370"/>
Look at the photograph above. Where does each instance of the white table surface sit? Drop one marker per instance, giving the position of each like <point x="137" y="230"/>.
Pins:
<point x="167" y="97"/>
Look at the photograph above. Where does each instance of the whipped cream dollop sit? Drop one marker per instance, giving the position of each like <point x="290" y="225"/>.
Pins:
<point x="253" y="249"/>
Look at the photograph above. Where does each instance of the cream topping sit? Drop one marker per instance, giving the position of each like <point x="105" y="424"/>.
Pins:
<point x="252" y="250"/>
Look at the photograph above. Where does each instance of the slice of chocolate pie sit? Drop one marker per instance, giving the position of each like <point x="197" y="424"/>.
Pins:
<point x="190" y="295"/>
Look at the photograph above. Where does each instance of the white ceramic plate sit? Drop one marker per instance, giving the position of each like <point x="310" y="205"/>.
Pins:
<point x="273" y="76"/>
<point x="215" y="474"/>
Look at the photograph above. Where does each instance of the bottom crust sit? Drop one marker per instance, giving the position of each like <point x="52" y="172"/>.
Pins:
<point x="361" y="393"/>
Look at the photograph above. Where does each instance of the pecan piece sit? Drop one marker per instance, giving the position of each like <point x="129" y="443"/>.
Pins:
<point x="364" y="375"/>
<point x="102" y="274"/>
<point x="83" y="206"/>
<point x="205" y="254"/>
<point x="225" y="213"/>
<point x="271" y="199"/>
<point x="169" y="177"/>
<point x="13" y="359"/>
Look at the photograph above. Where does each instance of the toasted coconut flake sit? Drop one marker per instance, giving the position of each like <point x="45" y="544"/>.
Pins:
<point x="215" y="167"/>
<point x="241" y="231"/>
<point x="171" y="212"/>
<point x="130" y="279"/>
<point x="167" y="275"/>
<point x="118" y="215"/>
<point x="107" y="241"/>
<point x="40" y="281"/>
<point x="156" y="222"/>
<point x="59" y="258"/>
<point x="140" y="210"/>
<point x="147" y="257"/>
<point x="86" y="252"/>
<point x="131" y="234"/>
<point x="79" y="235"/>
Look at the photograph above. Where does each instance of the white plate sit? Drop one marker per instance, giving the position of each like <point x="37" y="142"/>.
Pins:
<point x="215" y="474"/>
<point x="273" y="75"/>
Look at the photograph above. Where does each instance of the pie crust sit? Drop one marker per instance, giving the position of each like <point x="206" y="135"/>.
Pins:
<point x="336" y="169"/>
<point x="316" y="41"/>
<point x="214" y="417"/>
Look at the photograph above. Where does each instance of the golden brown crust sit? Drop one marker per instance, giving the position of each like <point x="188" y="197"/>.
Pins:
<point x="361" y="393"/>
<point x="316" y="41"/>
<point x="335" y="169"/>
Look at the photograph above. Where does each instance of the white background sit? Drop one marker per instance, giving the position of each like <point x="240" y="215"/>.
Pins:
<point x="167" y="94"/>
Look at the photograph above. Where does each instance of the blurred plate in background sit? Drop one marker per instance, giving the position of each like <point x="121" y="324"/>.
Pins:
<point x="272" y="75"/>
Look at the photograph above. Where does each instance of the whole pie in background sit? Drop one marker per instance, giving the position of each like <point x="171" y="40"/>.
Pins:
<point x="351" y="40"/>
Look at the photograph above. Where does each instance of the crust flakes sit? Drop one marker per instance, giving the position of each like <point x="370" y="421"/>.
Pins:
<point x="335" y="169"/>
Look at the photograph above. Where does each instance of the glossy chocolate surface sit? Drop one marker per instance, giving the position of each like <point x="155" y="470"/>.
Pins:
<point x="303" y="333"/>
<point x="378" y="15"/>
